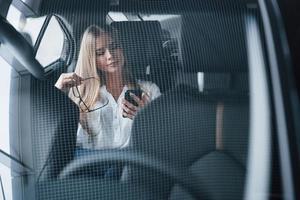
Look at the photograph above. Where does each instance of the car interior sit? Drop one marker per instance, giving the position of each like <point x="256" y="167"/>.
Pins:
<point x="192" y="142"/>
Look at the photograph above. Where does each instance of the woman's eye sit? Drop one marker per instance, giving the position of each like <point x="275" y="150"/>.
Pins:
<point x="100" y="53"/>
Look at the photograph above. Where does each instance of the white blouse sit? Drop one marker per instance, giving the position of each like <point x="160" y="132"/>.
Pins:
<point x="108" y="127"/>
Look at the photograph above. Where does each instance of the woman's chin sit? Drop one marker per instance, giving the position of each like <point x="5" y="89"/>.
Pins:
<point x="112" y="69"/>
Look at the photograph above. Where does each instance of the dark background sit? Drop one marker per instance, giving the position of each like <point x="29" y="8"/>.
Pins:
<point x="291" y="15"/>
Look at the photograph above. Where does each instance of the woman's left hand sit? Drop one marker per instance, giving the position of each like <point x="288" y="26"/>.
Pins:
<point x="130" y="110"/>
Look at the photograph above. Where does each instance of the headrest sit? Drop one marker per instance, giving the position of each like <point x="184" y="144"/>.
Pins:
<point x="214" y="42"/>
<point x="142" y="44"/>
<point x="215" y="83"/>
<point x="226" y="83"/>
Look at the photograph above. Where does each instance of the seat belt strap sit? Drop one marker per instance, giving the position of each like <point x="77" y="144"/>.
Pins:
<point x="219" y="125"/>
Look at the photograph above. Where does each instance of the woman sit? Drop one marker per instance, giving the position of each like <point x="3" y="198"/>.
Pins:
<point x="101" y="79"/>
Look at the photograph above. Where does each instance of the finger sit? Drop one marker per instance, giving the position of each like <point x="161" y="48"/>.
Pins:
<point x="71" y="82"/>
<point x="128" y="110"/>
<point x="127" y="115"/>
<point x="60" y="82"/>
<point x="137" y="100"/>
<point x="145" y="98"/>
<point x="65" y="83"/>
<point x="129" y="105"/>
<point x="78" y="82"/>
<point x="78" y="79"/>
<point x="68" y="82"/>
<point x="72" y="76"/>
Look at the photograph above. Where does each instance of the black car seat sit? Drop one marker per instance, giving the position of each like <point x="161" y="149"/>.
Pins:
<point x="143" y="47"/>
<point x="54" y="126"/>
<point x="203" y="129"/>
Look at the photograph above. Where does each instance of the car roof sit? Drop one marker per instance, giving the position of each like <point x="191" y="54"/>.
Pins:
<point x="44" y="7"/>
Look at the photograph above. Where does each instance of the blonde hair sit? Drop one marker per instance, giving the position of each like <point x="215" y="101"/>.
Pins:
<point x="86" y="67"/>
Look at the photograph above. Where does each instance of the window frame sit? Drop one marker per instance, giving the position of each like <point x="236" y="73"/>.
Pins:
<point x="67" y="47"/>
<point x="284" y="99"/>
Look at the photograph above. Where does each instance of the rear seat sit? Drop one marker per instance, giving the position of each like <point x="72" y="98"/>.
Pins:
<point x="221" y="171"/>
<point x="203" y="130"/>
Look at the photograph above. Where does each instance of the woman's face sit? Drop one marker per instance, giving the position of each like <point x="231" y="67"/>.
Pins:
<point x="109" y="55"/>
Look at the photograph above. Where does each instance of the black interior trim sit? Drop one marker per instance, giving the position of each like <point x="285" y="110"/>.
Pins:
<point x="41" y="34"/>
<point x="20" y="48"/>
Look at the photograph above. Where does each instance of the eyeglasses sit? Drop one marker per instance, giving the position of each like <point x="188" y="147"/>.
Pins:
<point x="76" y="93"/>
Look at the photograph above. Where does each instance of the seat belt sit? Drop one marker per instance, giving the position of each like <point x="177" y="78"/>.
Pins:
<point x="219" y="125"/>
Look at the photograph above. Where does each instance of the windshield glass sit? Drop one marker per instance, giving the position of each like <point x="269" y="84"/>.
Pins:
<point x="138" y="102"/>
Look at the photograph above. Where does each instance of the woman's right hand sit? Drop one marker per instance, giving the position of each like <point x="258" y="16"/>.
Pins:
<point x="68" y="80"/>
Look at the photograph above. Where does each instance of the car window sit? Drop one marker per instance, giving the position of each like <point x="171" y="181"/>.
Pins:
<point x="173" y="102"/>
<point x="5" y="172"/>
<point x="32" y="28"/>
<point x="200" y="123"/>
<point x="13" y="16"/>
<point x="51" y="45"/>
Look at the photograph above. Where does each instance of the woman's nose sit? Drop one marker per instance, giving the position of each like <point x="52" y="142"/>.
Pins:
<point x="108" y="54"/>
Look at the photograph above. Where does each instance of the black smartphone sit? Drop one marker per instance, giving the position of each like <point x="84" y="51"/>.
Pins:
<point x="136" y="92"/>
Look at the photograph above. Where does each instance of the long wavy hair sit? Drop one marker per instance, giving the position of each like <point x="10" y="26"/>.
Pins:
<point x="86" y="66"/>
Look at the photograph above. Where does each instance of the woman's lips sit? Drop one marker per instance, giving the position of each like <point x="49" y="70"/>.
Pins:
<point x="113" y="64"/>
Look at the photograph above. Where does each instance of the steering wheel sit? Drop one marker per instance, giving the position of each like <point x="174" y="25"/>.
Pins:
<point x="182" y="178"/>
